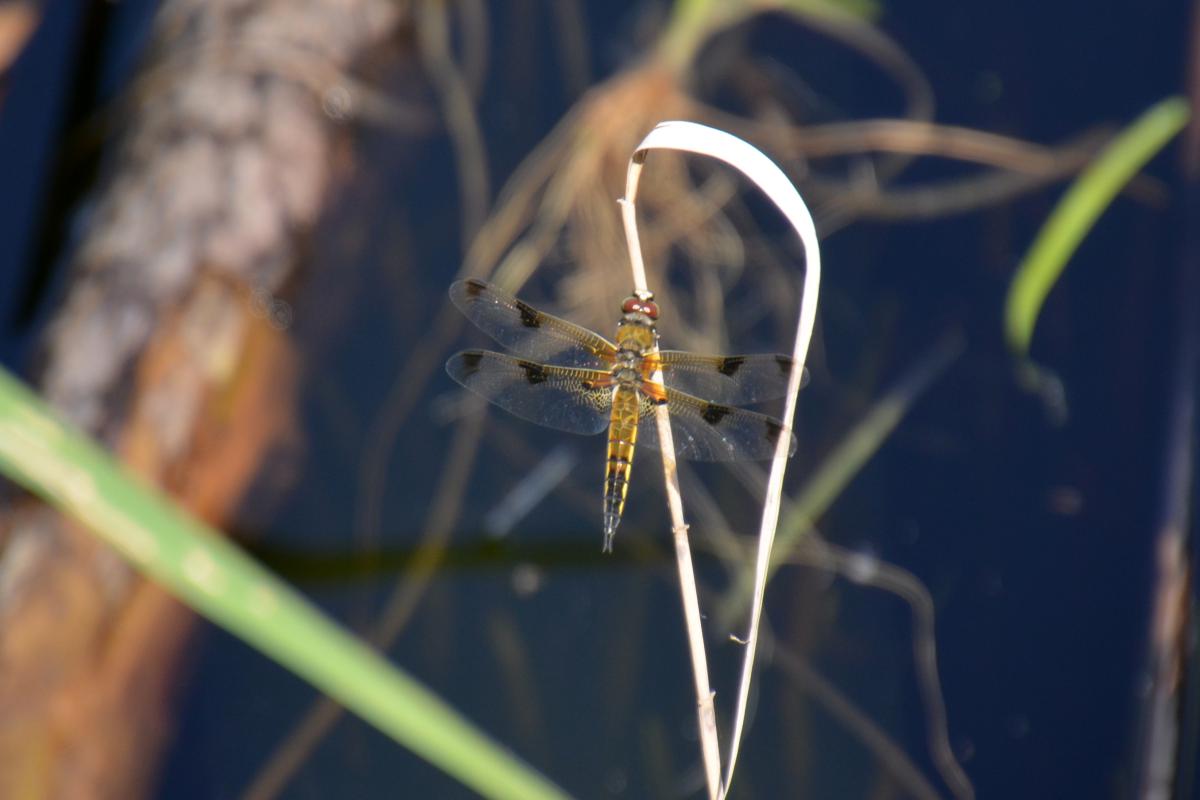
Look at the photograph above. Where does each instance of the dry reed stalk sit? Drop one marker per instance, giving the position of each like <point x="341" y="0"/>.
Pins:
<point x="694" y="138"/>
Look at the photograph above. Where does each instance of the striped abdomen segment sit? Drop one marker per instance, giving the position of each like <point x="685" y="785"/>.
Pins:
<point x="622" y="435"/>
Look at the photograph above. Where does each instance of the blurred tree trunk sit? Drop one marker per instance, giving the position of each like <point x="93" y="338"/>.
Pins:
<point x="171" y="347"/>
<point x="18" y="20"/>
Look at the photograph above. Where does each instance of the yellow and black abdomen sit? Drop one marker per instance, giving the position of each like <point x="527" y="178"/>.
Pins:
<point x="622" y="436"/>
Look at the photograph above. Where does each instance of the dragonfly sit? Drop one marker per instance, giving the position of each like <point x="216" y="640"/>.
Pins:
<point x="566" y="377"/>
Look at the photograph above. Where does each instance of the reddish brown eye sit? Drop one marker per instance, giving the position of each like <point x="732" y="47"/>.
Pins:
<point x="636" y="305"/>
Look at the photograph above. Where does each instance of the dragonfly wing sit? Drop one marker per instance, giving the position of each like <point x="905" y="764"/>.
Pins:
<point x="734" y="380"/>
<point x="527" y="332"/>
<point x="704" y="431"/>
<point x="564" y="398"/>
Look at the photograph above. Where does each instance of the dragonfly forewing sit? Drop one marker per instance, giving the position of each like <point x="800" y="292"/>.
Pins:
<point x="527" y="332"/>
<point x="564" y="398"/>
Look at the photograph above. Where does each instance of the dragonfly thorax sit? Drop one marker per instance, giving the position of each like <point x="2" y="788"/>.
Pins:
<point x="635" y="337"/>
<point x="636" y="333"/>
<point x="627" y="364"/>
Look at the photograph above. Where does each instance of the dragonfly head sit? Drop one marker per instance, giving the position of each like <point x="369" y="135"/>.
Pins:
<point x="635" y="331"/>
<point x="642" y="303"/>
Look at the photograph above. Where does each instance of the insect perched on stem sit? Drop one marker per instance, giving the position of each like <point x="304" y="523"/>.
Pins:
<point x="566" y="377"/>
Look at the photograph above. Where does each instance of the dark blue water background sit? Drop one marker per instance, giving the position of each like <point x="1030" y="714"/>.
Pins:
<point x="1042" y="604"/>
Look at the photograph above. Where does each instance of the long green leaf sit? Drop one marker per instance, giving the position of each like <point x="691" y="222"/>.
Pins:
<point x="1077" y="212"/>
<point x="218" y="580"/>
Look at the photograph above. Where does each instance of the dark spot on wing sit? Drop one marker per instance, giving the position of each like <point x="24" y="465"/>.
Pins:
<point x="774" y="431"/>
<point x="534" y="373"/>
<point x="529" y="317"/>
<point x="785" y="364"/>
<point x="714" y="413"/>
<point x="475" y="287"/>
<point x="731" y="365"/>
<point x="470" y="361"/>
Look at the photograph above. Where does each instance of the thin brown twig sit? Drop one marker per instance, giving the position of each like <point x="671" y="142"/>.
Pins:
<point x="867" y="571"/>
<point x="459" y="111"/>
<point x="408" y="385"/>
<point x="916" y="137"/>
<point x="514" y="669"/>
<point x="882" y="746"/>
<point x="1165" y="759"/>
<point x="474" y="30"/>
<point x="877" y="47"/>
<point x="956" y="196"/>
<point x="886" y="53"/>
<point x="572" y="43"/>
<point x="517" y="198"/>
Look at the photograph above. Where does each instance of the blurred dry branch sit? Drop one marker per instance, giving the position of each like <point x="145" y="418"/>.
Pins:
<point x="170" y="345"/>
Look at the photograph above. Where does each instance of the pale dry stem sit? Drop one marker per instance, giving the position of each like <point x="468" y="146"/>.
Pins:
<point x="694" y="138"/>
<point x="705" y="708"/>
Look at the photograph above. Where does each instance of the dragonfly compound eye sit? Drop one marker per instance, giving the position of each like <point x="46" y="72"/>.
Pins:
<point x="636" y="305"/>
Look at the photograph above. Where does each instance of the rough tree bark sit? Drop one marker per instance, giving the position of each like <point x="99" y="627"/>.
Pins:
<point x="170" y="346"/>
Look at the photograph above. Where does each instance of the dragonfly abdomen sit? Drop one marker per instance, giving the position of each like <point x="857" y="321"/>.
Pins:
<point x="622" y="436"/>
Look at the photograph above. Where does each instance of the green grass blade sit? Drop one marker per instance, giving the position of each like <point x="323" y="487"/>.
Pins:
<point x="215" y="578"/>
<point x="1077" y="212"/>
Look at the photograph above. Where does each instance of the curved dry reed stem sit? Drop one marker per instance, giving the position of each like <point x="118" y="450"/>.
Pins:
<point x="694" y="138"/>
<point x="705" y="710"/>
